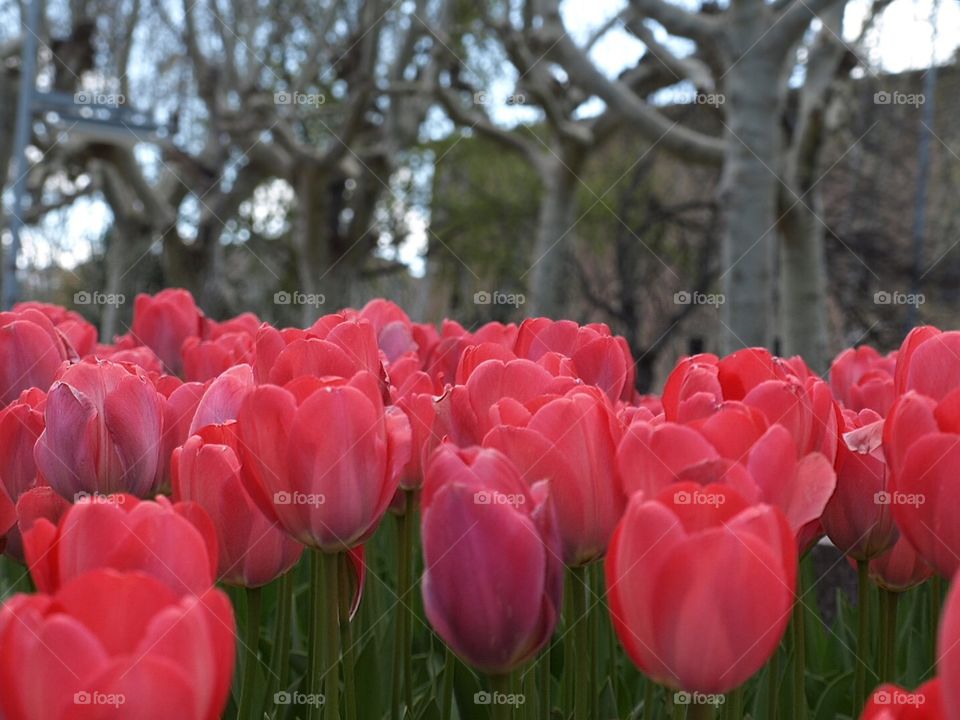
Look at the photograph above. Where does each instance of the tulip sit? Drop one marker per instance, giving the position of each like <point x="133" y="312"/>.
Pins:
<point x="921" y="441"/>
<point x="108" y="644"/>
<point x="570" y="441"/>
<point x="163" y="321"/>
<point x="31" y="352"/>
<point x="175" y="543"/>
<point x="890" y="702"/>
<point x="104" y="432"/>
<point x="253" y="551"/>
<point x="899" y="568"/>
<point x="858" y="518"/>
<point x="79" y="334"/>
<point x="701" y="585"/>
<point x="324" y="464"/>
<point x="415" y="397"/>
<point x="862" y="379"/>
<point x="493" y="579"/>
<point x="599" y="358"/>
<point x="21" y="423"/>
<point x="205" y="359"/>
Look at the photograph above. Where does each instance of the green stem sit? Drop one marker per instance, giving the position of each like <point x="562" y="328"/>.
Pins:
<point x="936" y="595"/>
<point x="331" y="673"/>
<point x="596" y="610"/>
<point x="545" y="682"/>
<point x="773" y="685"/>
<point x="446" y="690"/>
<point x="888" y="667"/>
<point x="700" y="711"/>
<point x="500" y="685"/>
<point x="734" y="704"/>
<point x="649" y="696"/>
<point x="317" y="657"/>
<point x="569" y="618"/>
<point x="349" y="683"/>
<point x="280" y="652"/>
<point x="582" y="702"/>
<point x="800" y="660"/>
<point x="863" y="634"/>
<point x="248" y="709"/>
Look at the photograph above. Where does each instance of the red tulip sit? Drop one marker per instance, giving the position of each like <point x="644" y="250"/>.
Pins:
<point x="948" y="652"/>
<point x="899" y="568"/>
<point x="890" y="702"/>
<point x="174" y="543"/>
<point x="393" y="328"/>
<point x="116" y="645"/>
<point x="323" y="458"/>
<point x="333" y="346"/>
<point x="205" y="359"/>
<point x="415" y="397"/>
<point x="104" y="426"/>
<point x="141" y="356"/>
<point x="163" y="321"/>
<point x="253" y="551"/>
<point x="31" y="352"/>
<point x="928" y="362"/>
<point x="599" y="358"/>
<point x="493" y="579"/>
<point x="701" y="585"/>
<point x="921" y="441"/>
<point x="862" y="379"/>
<point x="80" y="334"/>
<point x="858" y="518"/>
<point x="571" y="442"/>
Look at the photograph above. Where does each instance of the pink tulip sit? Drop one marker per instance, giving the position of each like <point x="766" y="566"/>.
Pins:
<point x="104" y="432"/>
<point x="323" y="458"/>
<point x="31" y="352"/>
<point x="701" y="585"/>
<point x="163" y="321"/>
<point x="493" y="579"/>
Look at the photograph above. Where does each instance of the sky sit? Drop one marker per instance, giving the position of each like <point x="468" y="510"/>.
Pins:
<point x="902" y="40"/>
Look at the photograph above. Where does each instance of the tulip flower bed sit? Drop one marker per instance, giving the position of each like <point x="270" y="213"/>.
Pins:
<point x="373" y="518"/>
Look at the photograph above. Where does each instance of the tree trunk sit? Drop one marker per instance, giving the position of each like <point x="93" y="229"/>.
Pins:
<point x="748" y="201"/>
<point x="550" y="273"/>
<point x="803" y="286"/>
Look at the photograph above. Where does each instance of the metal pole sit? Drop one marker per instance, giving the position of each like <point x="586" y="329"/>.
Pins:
<point x="28" y="86"/>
